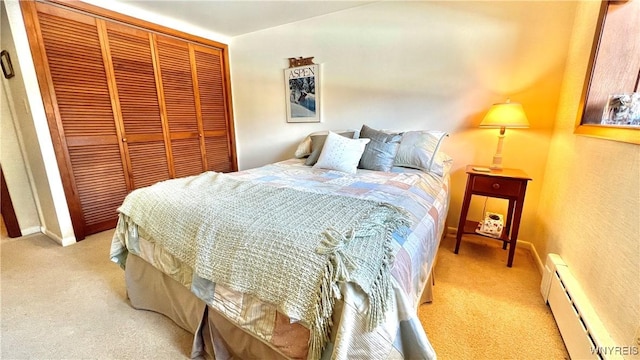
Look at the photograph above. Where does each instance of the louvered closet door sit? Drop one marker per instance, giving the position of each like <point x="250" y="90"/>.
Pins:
<point x="81" y="91"/>
<point x="180" y="105"/>
<point x="209" y="72"/>
<point x="137" y="96"/>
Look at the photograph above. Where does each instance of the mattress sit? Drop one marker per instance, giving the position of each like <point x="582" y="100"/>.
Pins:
<point x="424" y="197"/>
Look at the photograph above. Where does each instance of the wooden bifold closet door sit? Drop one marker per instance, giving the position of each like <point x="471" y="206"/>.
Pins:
<point x="131" y="62"/>
<point x="179" y="97"/>
<point x="126" y="106"/>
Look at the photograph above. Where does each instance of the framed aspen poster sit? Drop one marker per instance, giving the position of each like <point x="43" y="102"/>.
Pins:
<point x="302" y="89"/>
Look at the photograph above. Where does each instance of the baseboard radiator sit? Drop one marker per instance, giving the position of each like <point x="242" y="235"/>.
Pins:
<point x="582" y="332"/>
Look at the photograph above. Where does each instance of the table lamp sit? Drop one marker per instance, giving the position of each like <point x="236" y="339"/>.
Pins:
<point x="504" y="115"/>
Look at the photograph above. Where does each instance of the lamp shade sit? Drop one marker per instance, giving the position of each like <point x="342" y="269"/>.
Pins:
<point x="508" y="114"/>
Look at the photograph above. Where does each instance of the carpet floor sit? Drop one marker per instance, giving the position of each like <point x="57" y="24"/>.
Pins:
<point x="70" y="303"/>
<point x="482" y="309"/>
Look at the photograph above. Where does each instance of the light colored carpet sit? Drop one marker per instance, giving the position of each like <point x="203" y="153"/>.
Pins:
<point x="482" y="309"/>
<point x="70" y="303"/>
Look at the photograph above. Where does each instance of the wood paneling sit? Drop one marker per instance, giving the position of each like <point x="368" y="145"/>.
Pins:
<point x="177" y="84"/>
<point x="187" y="156"/>
<point x="210" y="83"/>
<point x="180" y="105"/>
<point x="135" y="79"/>
<point x="101" y="183"/>
<point x="148" y="162"/>
<point x="76" y="68"/>
<point x="218" y="154"/>
<point x="127" y="106"/>
<point x="616" y="66"/>
<point x="133" y="68"/>
<point x="211" y="88"/>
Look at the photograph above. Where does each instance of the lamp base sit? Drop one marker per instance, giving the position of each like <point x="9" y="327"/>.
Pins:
<point x="497" y="158"/>
<point x="496" y="164"/>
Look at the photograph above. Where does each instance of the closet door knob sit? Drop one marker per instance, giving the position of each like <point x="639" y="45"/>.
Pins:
<point x="124" y="139"/>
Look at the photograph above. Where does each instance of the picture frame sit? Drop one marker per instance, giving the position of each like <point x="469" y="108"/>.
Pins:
<point x="613" y="73"/>
<point x="302" y="93"/>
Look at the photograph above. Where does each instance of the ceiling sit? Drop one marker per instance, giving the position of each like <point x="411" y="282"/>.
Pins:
<point x="231" y="18"/>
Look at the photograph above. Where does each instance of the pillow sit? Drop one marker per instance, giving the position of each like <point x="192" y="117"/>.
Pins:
<point x="304" y="148"/>
<point x="317" y="142"/>
<point x="340" y="153"/>
<point x="380" y="152"/>
<point x="418" y="149"/>
<point x="441" y="164"/>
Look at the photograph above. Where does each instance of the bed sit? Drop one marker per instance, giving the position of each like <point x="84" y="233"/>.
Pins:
<point x="361" y="304"/>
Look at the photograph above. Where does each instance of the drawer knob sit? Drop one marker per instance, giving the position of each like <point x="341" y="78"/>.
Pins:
<point x="495" y="186"/>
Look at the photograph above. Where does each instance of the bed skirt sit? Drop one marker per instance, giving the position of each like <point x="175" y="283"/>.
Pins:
<point x="150" y="289"/>
<point x="215" y="337"/>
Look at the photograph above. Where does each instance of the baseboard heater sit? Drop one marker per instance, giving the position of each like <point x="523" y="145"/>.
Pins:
<point x="582" y="332"/>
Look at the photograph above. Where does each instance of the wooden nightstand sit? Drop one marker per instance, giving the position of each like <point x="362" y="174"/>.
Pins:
<point x="508" y="184"/>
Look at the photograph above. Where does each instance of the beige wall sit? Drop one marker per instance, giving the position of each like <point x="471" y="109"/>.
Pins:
<point x="589" y="210"/>
<point x="413" y="65"/>
<point x="15" y="171"/>
<point x="12" y="149"/>
<point x="32" y="130"/>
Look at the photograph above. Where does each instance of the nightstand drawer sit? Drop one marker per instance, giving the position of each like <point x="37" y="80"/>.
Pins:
<point x="496" y="186"/>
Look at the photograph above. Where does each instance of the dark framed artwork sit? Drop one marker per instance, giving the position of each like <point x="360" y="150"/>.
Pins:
<point x="302" y="93"/>
<point x="610" y="106"/>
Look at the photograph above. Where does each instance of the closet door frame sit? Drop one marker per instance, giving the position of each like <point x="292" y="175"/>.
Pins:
<point x="45" y="82"/>
<point x="54" y="120"/>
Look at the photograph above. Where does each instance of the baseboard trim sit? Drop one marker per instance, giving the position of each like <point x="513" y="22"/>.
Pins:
<point x="62" y="241"/>
<point x="451" y="232"/>
<point x="534" y="254"/>
<point x="30" y="230"/>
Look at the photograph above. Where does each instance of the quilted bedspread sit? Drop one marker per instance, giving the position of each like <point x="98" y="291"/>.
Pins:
<point x="425" y="199"/>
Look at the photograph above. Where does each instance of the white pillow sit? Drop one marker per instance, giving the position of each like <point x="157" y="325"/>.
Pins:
<point x="340" y="153"/>
<point x="418" y="150"/>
